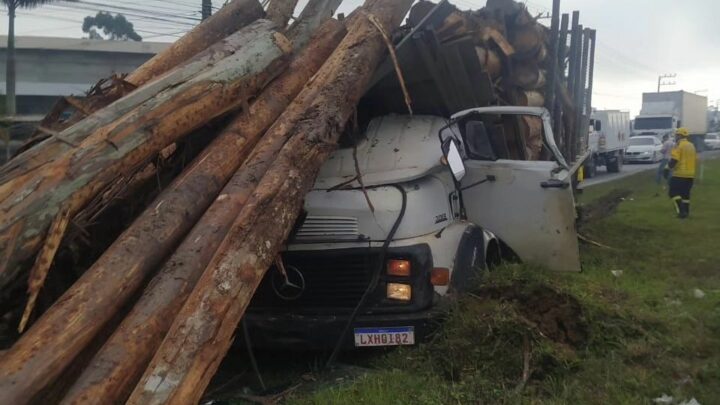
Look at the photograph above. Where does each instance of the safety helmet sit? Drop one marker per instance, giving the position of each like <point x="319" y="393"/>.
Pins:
<point x="682" y="132"/>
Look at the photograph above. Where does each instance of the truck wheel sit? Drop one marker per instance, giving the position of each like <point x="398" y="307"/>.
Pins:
<point x="469" y="260"/>
<point x="615" y="165"/>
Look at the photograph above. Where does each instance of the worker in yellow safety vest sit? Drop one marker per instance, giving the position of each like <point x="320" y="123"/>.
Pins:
<point x="683" y="163"/>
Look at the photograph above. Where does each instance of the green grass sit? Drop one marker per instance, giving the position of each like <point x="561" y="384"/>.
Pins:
<point x="641" y="334"/>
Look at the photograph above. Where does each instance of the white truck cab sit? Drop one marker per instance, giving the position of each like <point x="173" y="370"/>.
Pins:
<point x="434" y="208"/>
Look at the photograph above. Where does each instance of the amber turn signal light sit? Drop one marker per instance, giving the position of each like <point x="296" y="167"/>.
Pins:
<point x="440" y="276"/>
<point x="400" y="268"/>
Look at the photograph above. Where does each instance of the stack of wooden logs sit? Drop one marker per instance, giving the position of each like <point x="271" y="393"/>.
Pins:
<point x="516" y="51"/>
<point x="207" y="239"/>
<point x="159" y="298"/>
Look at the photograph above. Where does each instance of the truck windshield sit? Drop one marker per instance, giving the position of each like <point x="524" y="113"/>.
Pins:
<point x="653" y="123"/>
<point x="641" y="141"/>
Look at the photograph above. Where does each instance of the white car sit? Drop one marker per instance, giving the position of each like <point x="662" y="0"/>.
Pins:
<point x="644" y="149"/>
<point x="712" y="141"/>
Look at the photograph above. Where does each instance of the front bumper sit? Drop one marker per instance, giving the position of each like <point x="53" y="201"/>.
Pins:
<point x="321" y="332"/>
<point x="638" y="158"/>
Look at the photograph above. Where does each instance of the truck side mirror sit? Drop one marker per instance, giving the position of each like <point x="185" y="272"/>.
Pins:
<point x="454" y="159"/>
<point x="598" y="125"/>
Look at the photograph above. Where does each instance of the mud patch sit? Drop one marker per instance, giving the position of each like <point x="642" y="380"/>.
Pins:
<point x="602" y="207"/>
<point x="557" y="316"/>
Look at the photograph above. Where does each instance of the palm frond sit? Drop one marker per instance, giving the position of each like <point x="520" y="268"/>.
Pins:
<point x="27" y="3"/>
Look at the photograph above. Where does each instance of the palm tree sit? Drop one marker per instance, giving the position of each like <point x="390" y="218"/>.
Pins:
<point x="12" y="6"/>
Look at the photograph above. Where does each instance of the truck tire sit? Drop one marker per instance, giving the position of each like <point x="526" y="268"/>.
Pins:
<point x="615" y="165"/>
<point x="590" y="168"/>
<point x="469" y="263"/>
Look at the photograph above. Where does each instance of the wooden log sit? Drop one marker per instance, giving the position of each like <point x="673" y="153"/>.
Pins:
<point x="203" y="330"/>
<point x="229" y="19"/>
<point x="490" y="61"/>
<point x="114" y="371"/>
<point x="312" y="15"/>
<point x="34" y="198"/>
<point x="40" y="355"/>
<point x="529" y="77"/>
<point x="280" y="11"/>
<point x="68" y="139"/>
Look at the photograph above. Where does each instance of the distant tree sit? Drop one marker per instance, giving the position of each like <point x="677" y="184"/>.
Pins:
<point x="114" y="27"/>
<point x="12" y="6"/>
<point x="206" y="9"/>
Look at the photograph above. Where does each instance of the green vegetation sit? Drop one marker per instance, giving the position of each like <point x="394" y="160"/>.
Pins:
<point x="642" y="320"/>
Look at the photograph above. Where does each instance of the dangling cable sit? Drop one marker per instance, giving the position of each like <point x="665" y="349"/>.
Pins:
<point x="373" y="282"/>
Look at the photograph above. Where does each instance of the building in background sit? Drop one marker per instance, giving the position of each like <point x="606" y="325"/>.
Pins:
<point x="48" y="68"/>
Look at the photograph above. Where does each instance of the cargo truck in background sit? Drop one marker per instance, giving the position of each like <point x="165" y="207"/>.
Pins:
<point x="663" y="113"/>
<point x="609" y="134"/>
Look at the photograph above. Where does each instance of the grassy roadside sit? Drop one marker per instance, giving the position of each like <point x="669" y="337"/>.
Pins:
<point x="642" y="320"/>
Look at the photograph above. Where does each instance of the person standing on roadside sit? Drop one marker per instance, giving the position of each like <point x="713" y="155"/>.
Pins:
<point x="683" y="163"/>
<point x="667" y="146"/>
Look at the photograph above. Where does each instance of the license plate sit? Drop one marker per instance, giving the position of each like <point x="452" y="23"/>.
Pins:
<point x="369" y="337"/>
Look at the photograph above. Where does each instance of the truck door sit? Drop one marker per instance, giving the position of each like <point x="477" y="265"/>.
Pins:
<point x="529" y="205"/>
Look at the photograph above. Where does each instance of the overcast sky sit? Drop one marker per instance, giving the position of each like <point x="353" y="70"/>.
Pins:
<point x="637" y="39"/>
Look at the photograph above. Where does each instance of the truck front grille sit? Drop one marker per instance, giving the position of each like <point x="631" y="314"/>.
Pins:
<point x="318" y="228"/>
<point x="332" y="281"/>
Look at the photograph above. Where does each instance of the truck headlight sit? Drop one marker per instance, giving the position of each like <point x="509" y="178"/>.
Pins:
<point x="400" y="268"/>
<point x="400" y="292"/>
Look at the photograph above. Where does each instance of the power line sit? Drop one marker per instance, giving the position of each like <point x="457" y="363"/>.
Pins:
<point x="122" y="10"/>
<point x="85" y="10"/>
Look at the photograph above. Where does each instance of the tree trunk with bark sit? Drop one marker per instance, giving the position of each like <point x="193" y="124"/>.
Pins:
<point x="30" y="201"/>
<point x="314" y="11"/>
<point x="112" y="151"/>
<point x="280" y="11"/>
<point x="10" y="108"/>
<point x="229" y="19"/>
<point x="202" y="332"/>
<point x="111" y="375"/>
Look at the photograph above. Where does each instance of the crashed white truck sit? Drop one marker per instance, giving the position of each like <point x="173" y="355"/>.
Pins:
<point x="415" y="205"/>
<point x="444" y="208"/>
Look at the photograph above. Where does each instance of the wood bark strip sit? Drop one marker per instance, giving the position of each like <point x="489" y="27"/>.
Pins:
<point x="229" y="19"/>
<point x="114" y="371"/>
<point x="203" y="330"/>
<point x="42" y="353"/>
<point x="280" y="12"/>
<point x="44" y="260"/>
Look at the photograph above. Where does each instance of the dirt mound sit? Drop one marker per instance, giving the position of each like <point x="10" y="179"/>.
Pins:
<point x="556" y="315"/>
<point x="602" y="207"/>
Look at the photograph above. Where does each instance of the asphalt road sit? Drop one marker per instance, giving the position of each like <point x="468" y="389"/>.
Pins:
<point x="629" y="169"/>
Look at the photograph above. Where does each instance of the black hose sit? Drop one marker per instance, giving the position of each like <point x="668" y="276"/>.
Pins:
<point x="375" y="280"/>
<point x="251" y="354"/>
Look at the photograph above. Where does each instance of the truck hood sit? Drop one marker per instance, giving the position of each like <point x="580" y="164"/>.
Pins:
<point x="398" y="149"/>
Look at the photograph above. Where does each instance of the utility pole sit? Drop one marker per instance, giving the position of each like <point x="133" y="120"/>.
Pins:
<point x="206" y="9"/>
<point x="666" y="83"/>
